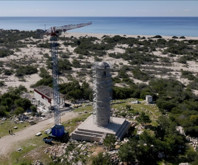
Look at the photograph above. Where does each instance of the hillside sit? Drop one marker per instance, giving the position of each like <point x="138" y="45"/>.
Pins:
<point x="164" y="67"/>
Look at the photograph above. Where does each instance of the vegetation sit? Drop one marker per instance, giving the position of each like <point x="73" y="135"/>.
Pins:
<point x="187" y="74"/>
<point x="8" y="72"/>
<point x="143" y="118"/>
<point x="10" y="124"/>
<point x="74" y="91"/>
<point x="109" y="141"/>
<point x="163" y="144"/>
<point x="44" y="73"/>
<point x="5" y="52"/>
<point x="140" y="75"/>
<point x="63" y="65"/>
<point x="11" y="102"/>
<point x="101" y="159"/>
<point x="170" y="96"/>
<point x="48" y="81"/>
<point x="25" y="70"/>
<point x="11" y="38"/>
<point x="2" y="83"/>
<point x="177" y="104"/>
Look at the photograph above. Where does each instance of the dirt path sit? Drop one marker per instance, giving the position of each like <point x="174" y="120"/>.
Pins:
<point x="8" y="143"/>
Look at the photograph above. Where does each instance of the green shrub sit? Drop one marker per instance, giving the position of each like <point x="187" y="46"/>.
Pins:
<point x="187" y="74"/>
<point x="64" y="65"/>
<point x="73" y="90"/>
<point x="44" y="73"/>
<point x="101" y="159"/>
<point x="2" y="111"/>
<point x="76" y="63"/>
<point x="19" y="110"/>
<point x="44" y="45"/>
<point x="140" y="75"/>
<point x="2" y="83"/>
<point x="175" y="37"/>
<point x="48" y="81"/>
<point x="109" y="141"/>
<point x="25" y="70"/>
<point x="143" y="118"/>
<point x="8" y="72"/>
<point x="5" y="53"/>
<point x="157" y="36"/>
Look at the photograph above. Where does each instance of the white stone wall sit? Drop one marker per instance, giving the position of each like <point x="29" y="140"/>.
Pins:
<point x="41" y="100"/>
<point x="45" y="101"/>
<point x="149" y="99"/>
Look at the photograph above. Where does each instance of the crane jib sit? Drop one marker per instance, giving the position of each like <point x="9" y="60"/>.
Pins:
<point x="58" y="29"/>
<point x="54" y="32"/>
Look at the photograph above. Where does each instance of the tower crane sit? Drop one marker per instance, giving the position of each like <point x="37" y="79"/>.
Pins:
<point x="54" y="32"/>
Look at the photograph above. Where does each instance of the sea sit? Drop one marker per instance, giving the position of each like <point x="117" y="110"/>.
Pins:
<point x="166" y="26"/>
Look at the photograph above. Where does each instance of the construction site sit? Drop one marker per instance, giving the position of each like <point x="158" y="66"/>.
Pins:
<point x="97" y="125"/>
<point x="101" y="123"/>
<point x="66" y="97"/>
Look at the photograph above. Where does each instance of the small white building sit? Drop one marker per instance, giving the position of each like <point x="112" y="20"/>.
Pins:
<point x="44" y="96"/>
<point x="149" y="99"/>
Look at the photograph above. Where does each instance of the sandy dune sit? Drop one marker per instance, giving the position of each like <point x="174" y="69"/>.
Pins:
<point x="36" y="54"/>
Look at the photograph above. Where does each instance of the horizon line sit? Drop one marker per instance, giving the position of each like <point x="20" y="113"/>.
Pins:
<point x="98" y="16"/>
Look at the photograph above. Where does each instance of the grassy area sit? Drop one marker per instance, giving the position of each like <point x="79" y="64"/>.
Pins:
<point x="72" y="124"/>
<point x="7" y="125"/>
<point x="84" y="108"/>
<point x="150" y="109"/>
<point x="32" y="149"/>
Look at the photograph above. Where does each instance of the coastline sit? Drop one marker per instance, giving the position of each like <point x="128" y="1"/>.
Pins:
<point x="100" y="35"/>
<point x="164" y="26"/>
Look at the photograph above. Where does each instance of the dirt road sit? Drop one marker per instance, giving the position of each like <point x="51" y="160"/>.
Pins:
<point x="9" y="143"/>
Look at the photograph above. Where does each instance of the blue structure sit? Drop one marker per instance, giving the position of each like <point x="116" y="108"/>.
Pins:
<point x="58" y="130"/>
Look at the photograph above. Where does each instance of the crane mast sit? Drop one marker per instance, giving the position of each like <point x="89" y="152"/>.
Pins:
<point x="56" y="95"/>
<point x="54" y="32"/>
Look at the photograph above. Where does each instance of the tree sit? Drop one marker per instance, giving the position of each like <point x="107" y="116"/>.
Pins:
<point x="109" y="141"/>
<point x="2" y="111"/>
<point x="22" y="102"/>
<point x="128" y="107"/>
<point x="33" y="108"/>
<point x="76" y="63"/>
<point x="101" y="159"/>
<point x="127" y="152"/>
<point x="44" y="73"/>
<point x="2" y="83"/>
<point x="195" y="162"/>
<point x="143" y="118"/>
<point x="26" y="70"/>
<point x="19" y="110"/>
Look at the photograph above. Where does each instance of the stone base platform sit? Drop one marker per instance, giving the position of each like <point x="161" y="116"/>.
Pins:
<point x="89" y="131"/>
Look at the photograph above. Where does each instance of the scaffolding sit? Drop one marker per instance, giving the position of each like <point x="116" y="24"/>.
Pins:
<point x="102" y="93"/>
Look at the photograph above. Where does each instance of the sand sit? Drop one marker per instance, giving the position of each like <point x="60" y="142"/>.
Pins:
<point x="35" y="54"/>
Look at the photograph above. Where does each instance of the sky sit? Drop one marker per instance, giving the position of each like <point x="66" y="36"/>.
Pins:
<point x="99" y="8"/>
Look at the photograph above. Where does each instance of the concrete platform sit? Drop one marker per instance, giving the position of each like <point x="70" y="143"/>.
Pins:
<point x="89" y="131"/>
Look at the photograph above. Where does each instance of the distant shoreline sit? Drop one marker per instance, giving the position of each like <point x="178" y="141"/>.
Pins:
<point x="99" y="35"/>
<point x="164" y="26"/>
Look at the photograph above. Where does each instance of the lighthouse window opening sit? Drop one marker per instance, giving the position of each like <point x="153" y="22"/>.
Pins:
<point x="104" y="73"/>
